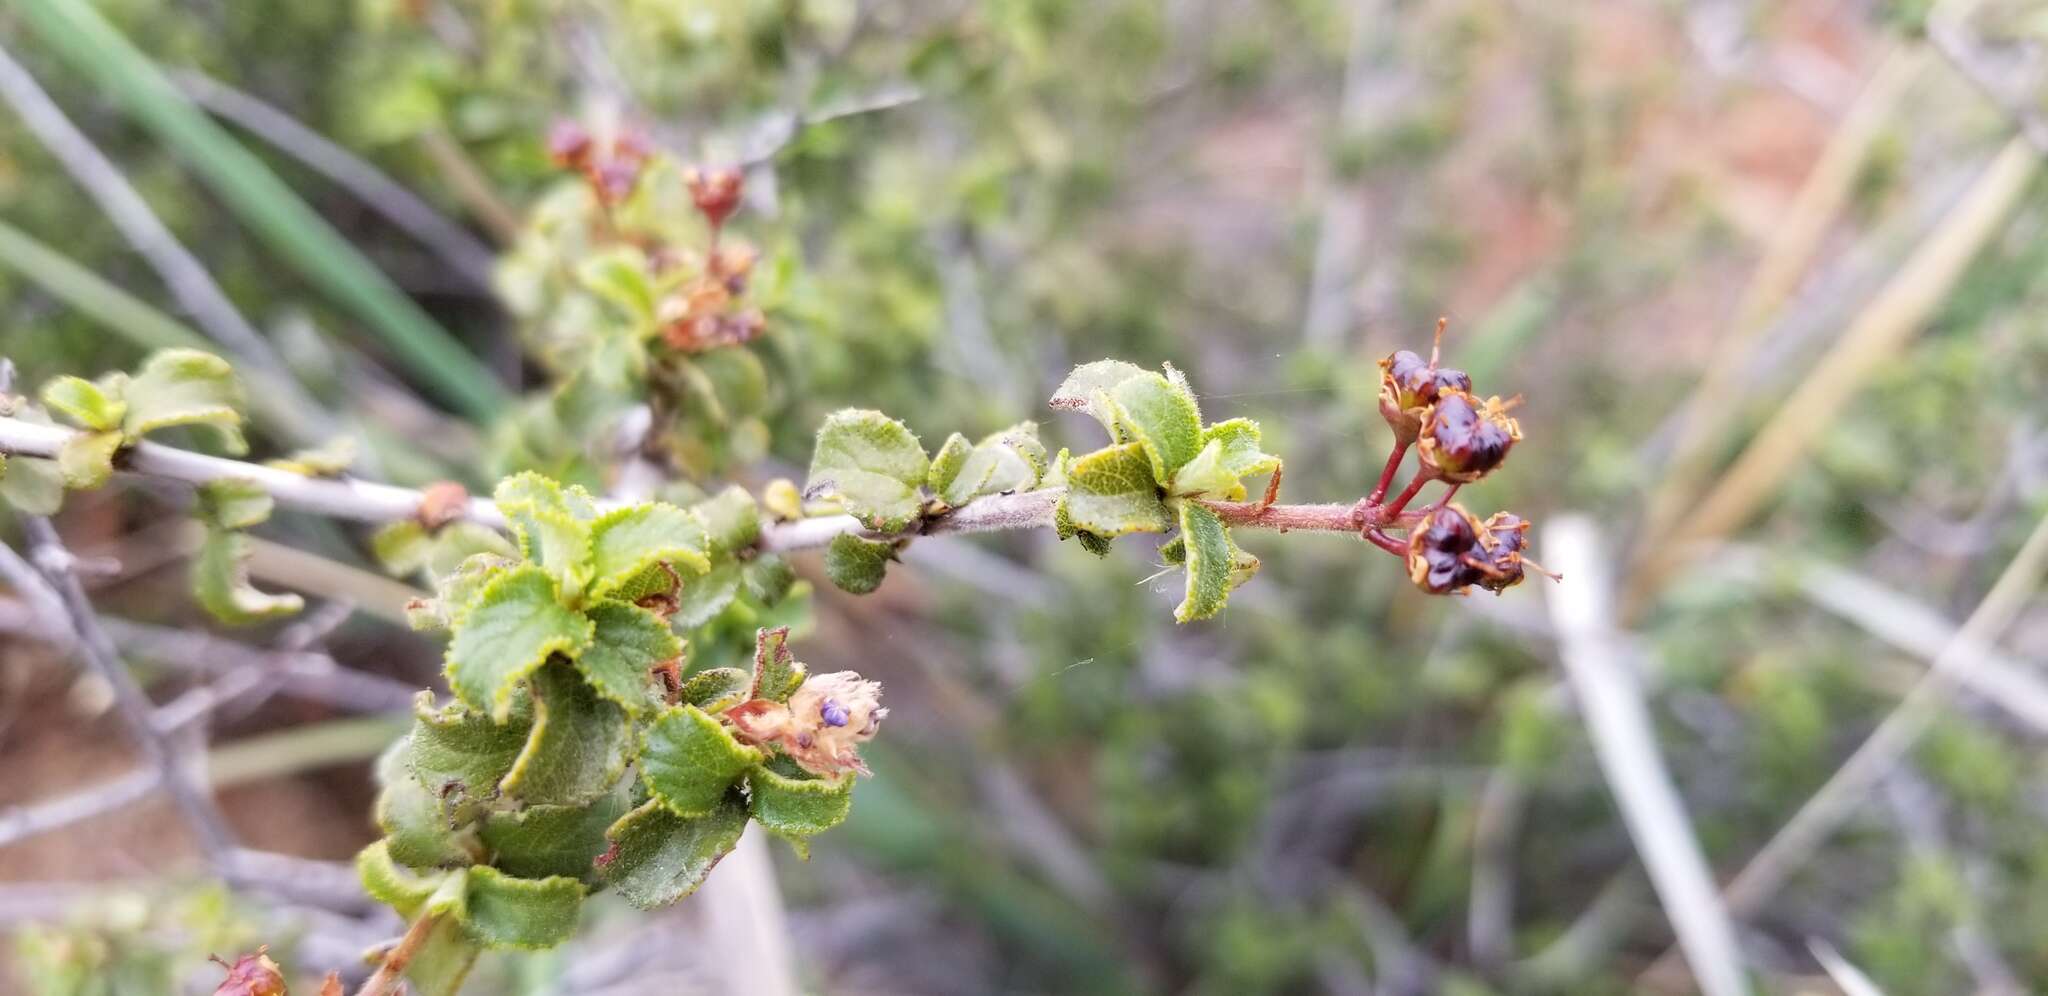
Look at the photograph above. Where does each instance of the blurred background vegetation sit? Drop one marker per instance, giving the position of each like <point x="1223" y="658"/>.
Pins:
<point x="1767" y="273"/>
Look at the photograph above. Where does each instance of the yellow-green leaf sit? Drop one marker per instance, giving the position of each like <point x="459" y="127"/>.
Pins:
<point x="689" y="760"/>
<point x="628" y="540"/>
<point x="873" y="465"/>
<point x="579" y="745"/>
<point x="507" y="634"/>
<point x="220" y="580"/>
<point x="185" y="387"/>
<point x="87" y="459"/>
<point x="1111" y="492"/>
<point x="501" y="911"/>
<point x="625" y="643"/>
<point x="658" y="857"/>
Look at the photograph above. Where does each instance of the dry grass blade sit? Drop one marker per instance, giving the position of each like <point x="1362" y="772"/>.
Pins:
<point x="1843" y="792"/>
<point x="1610" y="698"/>
<point x="1876" y="334"/>
<point x="1812" y="213"/>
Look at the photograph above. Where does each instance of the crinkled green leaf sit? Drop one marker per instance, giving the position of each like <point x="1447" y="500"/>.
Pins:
<point x="777" y="672"/>
<point x="552" y="525"/>
<point x="1230" y="452"/>
<point x="658" y="857"/>
<point x="220" y="580"/>
<point x="946" y="463"/>
<point x="392" y="884"/>
<point x="185" y="387"/>
<point x="541" y="841"/>
<point x="794" y="805"/>
<point x="731" y="520"/>
<point x="32" y="485"/>
<point x="688" y="760"/>
<point x="329" y="459"/>
<point x="768" y="578"/>
<point x="873" y="465"/>
<point x="1010" y="460"/>
<point x="1161" y="417"/>
<point x="579" y="746"/>
<point x="502" y="911"/>
<point x="705" y="597"/>
<point x="1110" y="493"/>
<point x="1089" y="382"/>
<point x="86" y="403"/>
<point x="233" y="503"/>
<point x="443" y="962"/>
<point x="456" y="591"/>
<point x="717" y="689"/>
<point x="857" y="565"/>
<point x="417" y="830"/>
<point x="626" y="541"/>
<point x="506" y="634"/>
<point x="626" y="642"/>
<point x="459" y="755"/>
<point x="86" y="460"/>
<point x="1211" y="559"/>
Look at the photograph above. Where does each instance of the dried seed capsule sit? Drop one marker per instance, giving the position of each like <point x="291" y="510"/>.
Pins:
<point x="715" y="192"/>
<point x="1441" y="551"/>
<point x="1504" y="536"/>
<point x="1462" y="440"/>
<point x="1409" y="385"/>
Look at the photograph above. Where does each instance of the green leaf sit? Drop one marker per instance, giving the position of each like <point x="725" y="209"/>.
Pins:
<point x="186" y="387"/>
<point x="658" y="857"/>
<point x="87" y="403"/>
<point x="777" y="673"/>
<point x="459" y="755"/>
<point x="1230" y="452"/>
<point x="1212" y="563"/>
<point x="1010" y="460"/>
<point x="1111" y="492"/>
<point x="417" y="829"/>
<point x="502" y="911"/>
<point x="1086" y="388"/>
<point x="443" y="962"/>
<point x="1162" y="418"/>
<point x="456" y="591"/>
<point x="233" y="503"/>
<point x="330" y="459"/>
<point x="220" y="580"/>
<point x="768" y="578"/>
<point x="619" y="275"/>
<point x="946" y="463"/>
<point x="541" y="841"/>
<point x="552" y="525"/>
<point x="625" y="643"/>
<point x="704" y="598"/>
<point x="857" y="565"/>
<point x="579" y="746"/>
<point x="86" y="460"/>
<point x="626" y="541"/>
<point x="796" y="805"/>
<point x="514" y="624"/>
<point x="689" y="760"/>
<point x="716" y="689"/>
<point x="395" y="886"/>
<point x="731" y="520"/>
<point x="873" y="464"/>
<point x="32" y="485"/>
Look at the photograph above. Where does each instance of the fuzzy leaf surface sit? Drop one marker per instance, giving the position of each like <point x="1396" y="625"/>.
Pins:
<point x="508" y="633"/>
<point x="689" y="760"/>
<point x="873" y="464"/>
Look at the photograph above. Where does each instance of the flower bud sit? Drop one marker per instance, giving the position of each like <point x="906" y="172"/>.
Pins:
<point x="823" y="724"/>
<point x="1441" y="551"/>
<point x="1462" y="441"/>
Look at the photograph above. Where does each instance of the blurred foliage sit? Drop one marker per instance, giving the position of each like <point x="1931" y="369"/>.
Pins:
<point x="1582" y="190"/>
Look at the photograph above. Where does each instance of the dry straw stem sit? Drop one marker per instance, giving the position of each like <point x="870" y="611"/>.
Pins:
<point x="1877" y="333"/>
<point x="1959" y="664"/>
<point x="1618" y="721"/>
<point x="1705" y="415"/>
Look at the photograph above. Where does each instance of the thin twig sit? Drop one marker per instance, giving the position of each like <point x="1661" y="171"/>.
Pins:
<point x="379" y="192"/>
<point x="96" y="649"/>
<point x="1850" y="785"/>
<point x="387" y="979"/>
<point x="19" y="823"/>
<point x="194" y="289"/>
<point x="1611" y="700"/>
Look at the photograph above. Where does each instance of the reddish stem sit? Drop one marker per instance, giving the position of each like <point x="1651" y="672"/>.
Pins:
<point x="1394" y="459"/>
<point x="1323" y="518"/>
<point x="392" y="969"/>
<point x="1380" y="539"/>
<point x="1393" y="509"/>
<point x="1443" y="499"/>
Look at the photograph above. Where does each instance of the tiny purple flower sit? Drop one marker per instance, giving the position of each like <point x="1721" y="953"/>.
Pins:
<point x="833" y="713"/>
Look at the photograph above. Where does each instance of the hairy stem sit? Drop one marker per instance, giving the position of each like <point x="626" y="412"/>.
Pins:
<point x="386" y="980"/>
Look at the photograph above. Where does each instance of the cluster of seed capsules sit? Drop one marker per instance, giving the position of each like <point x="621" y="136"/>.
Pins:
<point x="707" y="311"/>
<point x="1458" y="439"/>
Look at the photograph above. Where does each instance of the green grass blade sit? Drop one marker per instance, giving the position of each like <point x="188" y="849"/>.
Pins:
<point x="304" y="240"/>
